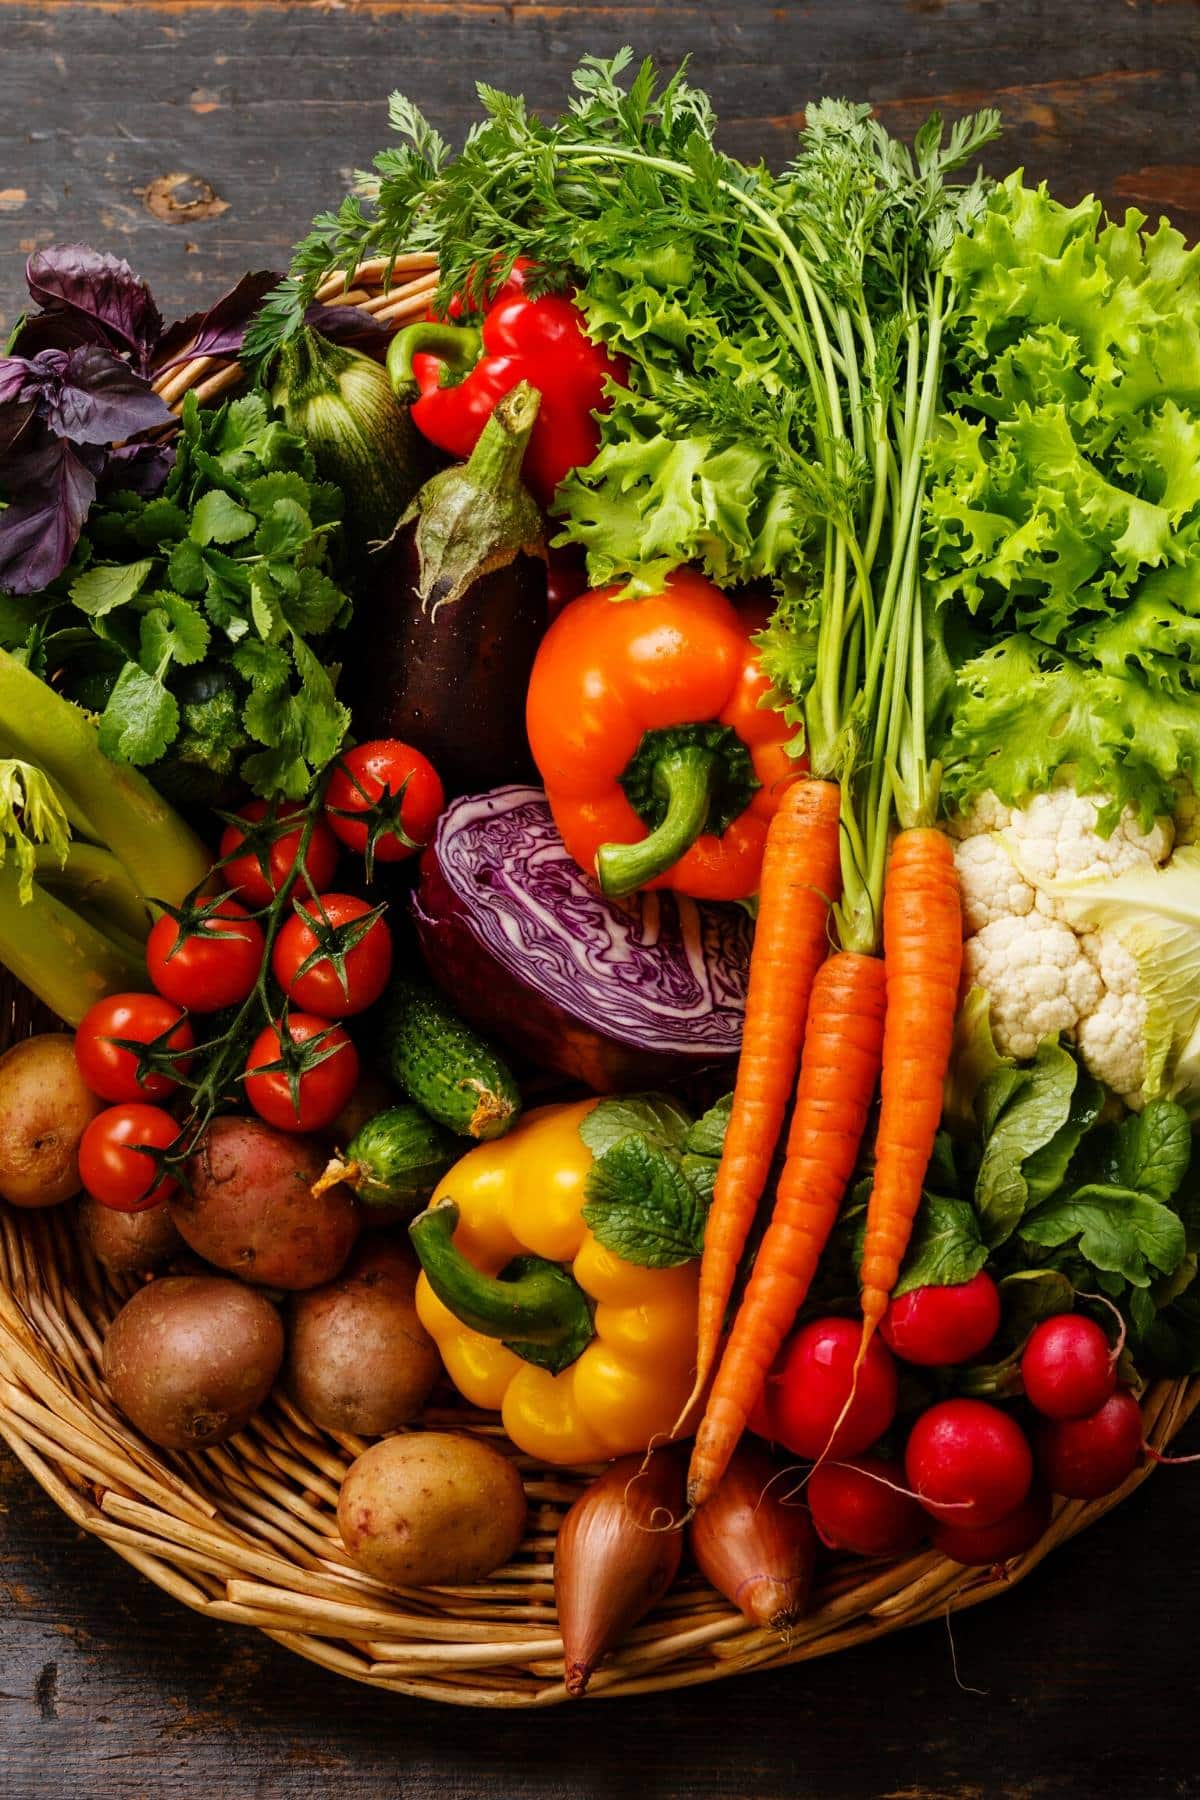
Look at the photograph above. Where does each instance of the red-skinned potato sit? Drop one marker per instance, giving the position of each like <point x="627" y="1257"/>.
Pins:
<point x="359" y="1359"/>
<point x="191" y="1358"/>
<point x="128" y="1243"/>
<point x="246" y="1205"/>
<point x="44" y="1110"/>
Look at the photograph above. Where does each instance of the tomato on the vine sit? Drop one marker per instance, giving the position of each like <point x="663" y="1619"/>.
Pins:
<point x="333" y="956"/>
<point x="262" y="853"/>
<point x="303" y="1084"/>
<point x="114" y="1161"/>
<point x="210" y="962"/>
<point x="383" y="800"/>
<point x="146" y="1019"/>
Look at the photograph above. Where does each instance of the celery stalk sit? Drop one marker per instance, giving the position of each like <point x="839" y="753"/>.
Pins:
<point x="92" y="880"/>
<point x="163" y="856"/>
<point x="58" y="955"/>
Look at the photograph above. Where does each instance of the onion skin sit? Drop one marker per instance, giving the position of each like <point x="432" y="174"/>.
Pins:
<point x="754" y="1546"/>
<point x="617" y="1553"/>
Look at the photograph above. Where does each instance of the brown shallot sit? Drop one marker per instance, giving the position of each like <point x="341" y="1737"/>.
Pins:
<point x="755" y="1546"/>
<point x="617" y="1553"/>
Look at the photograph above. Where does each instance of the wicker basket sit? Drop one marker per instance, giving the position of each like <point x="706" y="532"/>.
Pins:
<point x="247" y="1531"/>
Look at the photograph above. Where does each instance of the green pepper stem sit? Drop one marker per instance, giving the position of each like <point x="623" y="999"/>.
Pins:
<point x="458" y="346"/>
<point x="685" y="779"/>
<point x="543" y="1305"/>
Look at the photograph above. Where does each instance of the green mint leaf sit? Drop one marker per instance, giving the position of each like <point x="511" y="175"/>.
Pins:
<point x="1022" y="1110"/>
<point x="140" y="720"/>
<point x="707" y="1135"/>
<point x="107" y="586"/>
<point x="1119" y="1230"/>
<point x="653" y="1117"/>
<point x="945" y="1249"/>
<point x="641" y="1206"/>
<point x="218" y="519"/>
<point x="1154" y="1149"/>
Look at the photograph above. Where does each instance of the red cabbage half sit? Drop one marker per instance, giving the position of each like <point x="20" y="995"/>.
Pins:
<point x="618" y="994"/>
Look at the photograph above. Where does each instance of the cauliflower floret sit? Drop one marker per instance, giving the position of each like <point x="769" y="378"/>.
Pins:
<point x="1054" y="838"/>
<point x="1038" y="977"/>
<point x="987" y="813"/>
<point x="991" y="884"/>
<point x="1112" y="1037"/>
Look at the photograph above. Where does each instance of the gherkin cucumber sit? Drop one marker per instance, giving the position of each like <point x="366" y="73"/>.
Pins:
<point x="445" y="1066"/>
<point x="396" y="1159"/>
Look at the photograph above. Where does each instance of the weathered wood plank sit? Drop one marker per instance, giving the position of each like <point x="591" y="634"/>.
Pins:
<point x="199" y="138"/>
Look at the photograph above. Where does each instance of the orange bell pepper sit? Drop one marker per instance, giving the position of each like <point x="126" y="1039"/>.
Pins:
<point x="661" y="763"/>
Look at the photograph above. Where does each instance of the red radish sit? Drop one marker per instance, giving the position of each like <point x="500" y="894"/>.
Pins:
<point x="969" y="1462"/>
<point x="935" y="1326"/>
<point x="812" y="1381"/>
<point x="856" y="1506"/>
<point x="1068" y="1367"/>
<point x="980" y="1546"/>
<point x="1084" y="1458"/>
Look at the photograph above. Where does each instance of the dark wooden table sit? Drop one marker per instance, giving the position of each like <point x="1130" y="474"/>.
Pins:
<point x="197" y="138"/>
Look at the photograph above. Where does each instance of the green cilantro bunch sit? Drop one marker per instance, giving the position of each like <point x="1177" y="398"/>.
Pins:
<point x="193" y="622"/>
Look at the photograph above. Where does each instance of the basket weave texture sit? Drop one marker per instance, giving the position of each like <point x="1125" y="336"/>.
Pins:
<point x="247" y="1532"/>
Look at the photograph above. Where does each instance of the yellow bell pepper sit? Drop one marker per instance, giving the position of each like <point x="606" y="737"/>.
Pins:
<point x="626" y="1334"/>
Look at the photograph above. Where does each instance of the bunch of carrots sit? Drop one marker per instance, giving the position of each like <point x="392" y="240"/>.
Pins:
<point x="853" y="983"/>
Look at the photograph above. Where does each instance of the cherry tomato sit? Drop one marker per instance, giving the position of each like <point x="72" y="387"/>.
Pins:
<point x="211" y="964"/>
<point x="936" y="1326"/>
<point x="331" y="923"/>
<point x="140" y="1018"/>
<point x="324" y="1088"/>
<point x="245" y="873"/>
<point x="383" y="799"/>
<point x="113" y="1164"/>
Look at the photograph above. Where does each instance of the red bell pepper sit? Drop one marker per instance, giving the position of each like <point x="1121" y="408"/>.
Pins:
<point x="458" y="371"/>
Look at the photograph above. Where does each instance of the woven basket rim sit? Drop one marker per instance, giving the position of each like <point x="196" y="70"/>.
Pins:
<point x="246" y="1532"/>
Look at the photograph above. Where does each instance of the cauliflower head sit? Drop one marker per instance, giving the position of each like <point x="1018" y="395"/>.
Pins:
<point x="1029" y="878"/>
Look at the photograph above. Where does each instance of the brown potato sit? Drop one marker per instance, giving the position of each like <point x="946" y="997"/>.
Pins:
<point x="247" y="1205"/>
<point x="191" y="1358"/>
<point x="128" y="1243"/>
<point x="359" y="1359"/>
<point x="44" y="1110"/>
<point x="432" y="1506"/>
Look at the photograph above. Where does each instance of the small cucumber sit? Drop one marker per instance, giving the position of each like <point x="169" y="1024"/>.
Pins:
<point x="395" y="1160"/>
<point x="445" y="1066"/>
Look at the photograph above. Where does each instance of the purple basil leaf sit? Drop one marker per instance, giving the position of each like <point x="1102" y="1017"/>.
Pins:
<point x="40" y="528"/>
<point x="16" y="418"/>
<point x="105" y="300"/>
<point x="96" y="399"/>
<point x="353" y="329"/>
<point x="220" y="330"/>
<point x="141" y="468"/>
<point x="49" y="331"/>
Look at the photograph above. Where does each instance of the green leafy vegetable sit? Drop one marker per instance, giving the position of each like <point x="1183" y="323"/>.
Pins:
<point x="1022" y="1111"/>
<point x="208" y="599"/>
<point x="946" y="1247"/>
<point x="1063" y="512"/>
<point x="659" y="1121"/>
<point x="1119" y="1230"/>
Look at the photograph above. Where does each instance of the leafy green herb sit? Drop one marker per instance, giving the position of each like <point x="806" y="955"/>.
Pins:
<point x="1119" y="1230"/>
<point x="222" y="582"/>
<point x="659" y="1121"/>
<point x="642" y="1206"/>
<point x="649" y="1188"/>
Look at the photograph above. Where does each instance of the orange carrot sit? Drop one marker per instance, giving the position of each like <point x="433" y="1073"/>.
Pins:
<point x="800" y="877"/>
<point x="842" y="1048"/>
<point x="922" y="952"/>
